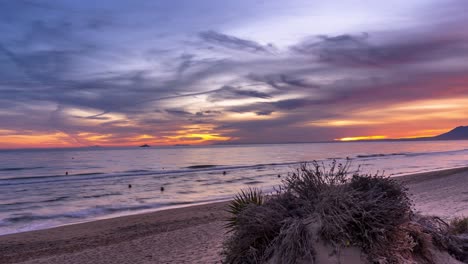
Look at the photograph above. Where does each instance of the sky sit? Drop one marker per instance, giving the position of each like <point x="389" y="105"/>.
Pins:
<point x="124" y="73"/>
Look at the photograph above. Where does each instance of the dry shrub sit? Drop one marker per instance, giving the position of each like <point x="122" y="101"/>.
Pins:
<point x="240" y="201"/>
<point x="459" y="225"/>
<point x="367" y="212"/>
<point x="359" y="209"/>
<point x="420" y="247"/>
<point x="294" y="244"/>
<point x="372" y="212"/>
<point x="309" y="181"/>
<point x="256" y="227"/>
<point x="437" y="228"/>
<point x="442" y="236"/>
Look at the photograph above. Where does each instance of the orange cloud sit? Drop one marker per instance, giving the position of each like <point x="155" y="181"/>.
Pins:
<point x="196" y="134"/>
<point x="15" y="140"/>
<point x="403" y="120"/>
<point x="189" y="134"/>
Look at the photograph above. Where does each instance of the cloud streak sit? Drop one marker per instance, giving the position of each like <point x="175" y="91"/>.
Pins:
<point x="232" y="42"/>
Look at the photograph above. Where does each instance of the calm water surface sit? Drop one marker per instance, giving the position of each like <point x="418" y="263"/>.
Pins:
<point x="36" y="193"/>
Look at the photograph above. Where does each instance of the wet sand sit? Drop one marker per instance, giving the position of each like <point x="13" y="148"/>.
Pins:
<point x="192" y="234"/>
<point x="442" y="193"/>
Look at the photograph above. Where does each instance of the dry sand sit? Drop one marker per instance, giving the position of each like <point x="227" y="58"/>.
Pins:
<point x="192" y="234"/>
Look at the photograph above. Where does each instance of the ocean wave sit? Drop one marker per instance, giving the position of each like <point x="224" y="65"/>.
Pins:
<point x="51" y="176"/>
<point x="201" y="166"/>
<point x="100" y="175"/>
<point x="57" y="199"/>
<point x="101" y="195"/>
<point x="82" y="214"/>
<point x="253" y="182"/>
<point x="31" y="218"/>
<point x="380" y="155"/>
<point x="86" y="174"/>
<point x="175" y="173"/>
<point x="187" y="192"/>
<point x="411" y="154"/>
<point x="132" y="171"/>
<point x="60" y="198"/>
<point x="438" y="152"/>
<point x="20" y="168"/>
<point x="96" y="212"/>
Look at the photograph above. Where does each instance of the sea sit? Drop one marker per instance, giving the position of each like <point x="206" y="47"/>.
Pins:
<point x="43" y="188"/>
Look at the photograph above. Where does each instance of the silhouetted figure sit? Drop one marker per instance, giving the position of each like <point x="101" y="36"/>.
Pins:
<point x="129" y="186"/>
<point x="224" y="172"/>
<point x="162" y="189"/>
<point x="66" y="173"/>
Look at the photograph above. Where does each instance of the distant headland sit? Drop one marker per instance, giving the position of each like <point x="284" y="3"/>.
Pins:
<point x="458" y="133"/>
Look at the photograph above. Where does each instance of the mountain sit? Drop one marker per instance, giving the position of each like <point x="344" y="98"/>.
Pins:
<point x="457" y="133"/>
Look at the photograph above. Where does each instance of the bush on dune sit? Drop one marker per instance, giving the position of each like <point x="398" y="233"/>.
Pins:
<point x="254" y="227"/>
<point x="342" y="209"/>
<point x="459" y="225"/>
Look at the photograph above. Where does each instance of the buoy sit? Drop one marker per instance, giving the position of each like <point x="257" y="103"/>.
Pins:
<point x="162" y="189"/>
<point x="129" y="186"/>
<point x="66" y="173"/>
<point x="279" y="175"/>
<point x="224" y="172"/>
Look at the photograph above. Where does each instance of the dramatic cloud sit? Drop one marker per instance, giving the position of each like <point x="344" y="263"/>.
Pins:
<point x="230" y="93"/>
<point x="117" y="73"/>
<point x="232" y="42"/>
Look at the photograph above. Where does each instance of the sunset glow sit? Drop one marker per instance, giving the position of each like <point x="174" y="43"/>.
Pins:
<point x="303" y="71"/>
<point x="57" y="139"/>
<point x="361" y="138"/>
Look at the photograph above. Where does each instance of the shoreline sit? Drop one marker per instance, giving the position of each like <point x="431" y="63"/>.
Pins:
<point x="193" y="232"/>
<point x="411" y="177"/>
<point x="404" y="177"/>
<point x="146" y="211"/>
<point x="73" y="238"/>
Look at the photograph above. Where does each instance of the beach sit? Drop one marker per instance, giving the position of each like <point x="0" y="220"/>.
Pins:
<point x="192" y="234"/>
<point x="37" y="193"/>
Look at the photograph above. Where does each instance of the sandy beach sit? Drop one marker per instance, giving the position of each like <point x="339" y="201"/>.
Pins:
<point x="192" y="234"/>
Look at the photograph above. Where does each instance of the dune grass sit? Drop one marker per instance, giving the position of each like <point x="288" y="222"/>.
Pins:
<point x="340" y="208"/>
<point x="240" y="201"/>
<point x="459" y="225"/>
